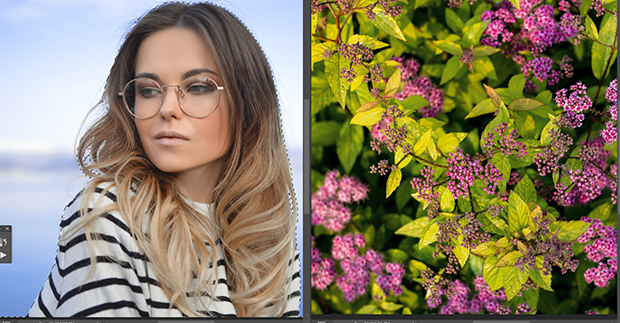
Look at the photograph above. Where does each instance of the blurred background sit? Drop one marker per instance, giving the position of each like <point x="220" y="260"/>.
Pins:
<point x="54" y="58"/>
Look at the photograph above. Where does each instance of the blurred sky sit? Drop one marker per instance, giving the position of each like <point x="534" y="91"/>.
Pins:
<point x="56" y="54"/>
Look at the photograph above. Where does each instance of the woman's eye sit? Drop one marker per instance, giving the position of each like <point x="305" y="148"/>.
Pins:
<point x="149" y="92"/>
<point x="199" y="88"/>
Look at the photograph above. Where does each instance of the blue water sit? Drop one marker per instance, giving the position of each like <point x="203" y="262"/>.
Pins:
<point x="32" y="203"/>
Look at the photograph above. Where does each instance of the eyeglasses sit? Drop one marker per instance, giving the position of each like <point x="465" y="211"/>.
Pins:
<point x="199" y="96"/>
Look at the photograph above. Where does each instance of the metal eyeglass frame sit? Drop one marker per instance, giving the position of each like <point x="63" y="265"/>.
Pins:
<point x="180" y="94"/>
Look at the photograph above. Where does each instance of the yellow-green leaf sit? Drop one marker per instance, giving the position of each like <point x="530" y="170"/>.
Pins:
<point x="601" y="53"/>
<point x="485" y="249"/>
<point x="389" y="306"/>
<point x="338" y="84"/>
<point x="591" y="30"/>
<point x="450" y="47"/>
<point x="509" y="259"/>
<point x="450" y="141"/>
<point x="368" y="118"/>
<point x="367" y="41"/>
<point x="493" y="276"/>
<point x="452" y="68"/>
<point x="483" y="107"/>
<point x="393" y="83"/>
<point x="393" y="181"/>
<point x="524" y="104"/>
<point x="447" y="201"/>
<point x="414" y="228"/>
<point x="386" y="23"/>
<point x="424" y="141"/>
<point x="482" y="51"/>
<point x="430" y="235"/>
<point x="495" y="98"/>
<point x="518" y="213"/>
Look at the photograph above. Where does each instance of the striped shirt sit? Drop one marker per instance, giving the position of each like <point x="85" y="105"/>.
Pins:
<point x="127" y="287"/>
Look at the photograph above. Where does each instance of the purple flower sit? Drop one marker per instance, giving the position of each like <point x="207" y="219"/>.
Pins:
<point x="328" y="202"/>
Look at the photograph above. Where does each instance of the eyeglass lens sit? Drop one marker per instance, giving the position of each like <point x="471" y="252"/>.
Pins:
<point x="198" y="97"/>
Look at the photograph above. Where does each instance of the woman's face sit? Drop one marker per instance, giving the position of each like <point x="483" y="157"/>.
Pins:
<point x="187" y="147"/>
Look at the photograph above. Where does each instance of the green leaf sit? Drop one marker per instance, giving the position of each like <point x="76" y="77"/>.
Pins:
<point x="526" y="126"/>
<point x="367" y="41"/>
<point x="485" y="249"/>
<point x="389" y="306"/>
<point x="393" y="182"/>
<point x="472" y="34"/>
<point x="546" y="136"/>
<point x="368" y="106"/>
<point x="484" y="66"/>
<point x="452" y="68"/>
<point x="415" y="228"/>
<point x="423" y="142"/>
<point x="430" y="235"/>
<point x="515" y="86"/>
<point x="543" y="281"/>
<point x="503" y="165"/>
<point x="513" y="281"/>
<point x="322" y="95"/>
<point x="509" y="259"/>
<point x="502" y="243"/>
<point x="570" y="231"/>
<point x="482" y="51"/>
<point x="367" y="309"/>
<point x="493" y="276"/>
<point x="325" y="133"/>
<point x="450" y="47"/>
<point x="454" y="21"/>
<point x="516" y="4"/>
<point x="525" y="104"/>
<point x="386" y="23"/>
<point x="461" y="253"/>
<point x="349" y="145"/>
<point x="447" y="201"/>
<point x="318" y="50"/>
<point x="396" y="255"/>
<point x="518" y="213"/>
<point x="602" y="212"/>
<point x="485" y="106"/>
<point x="393" y="84"/>
<point x="495" y="98"/>
<point x="526" y="190"/>
<point x="368" y="118"/>
<point x="544" y="97"/>
<point x="448" y="142"/>
<point x="591" y="30"/>
<point x="377" y="293"/>
<point x="600" y="53"/>
<point x="338" y="84"/>
<point x="413" y="103"/>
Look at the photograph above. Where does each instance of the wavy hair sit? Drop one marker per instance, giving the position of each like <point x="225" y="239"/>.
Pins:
<point x="254" y="215"/>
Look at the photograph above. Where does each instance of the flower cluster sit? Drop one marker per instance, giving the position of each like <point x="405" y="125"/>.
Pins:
<point x="356" y="268"/>
<point x="574" y="104"/>
<point x="323" y="271"/>
<point x="463" y="170"/>
<point x="500" y="139"/>
<point x="328" y="202"/>
<point x="548" y="158"/>
<point x="541" y="68"/>
<point x="610" y="134"/>
<point x="387" y="133"/>
<point x="425" y="186"/>
<point x="388" y="7"/>
<point x="419" y="85"/>
<point x="460" y="299"/>
<point x="603" y="247"/>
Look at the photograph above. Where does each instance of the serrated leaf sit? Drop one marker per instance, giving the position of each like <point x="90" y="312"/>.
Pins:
<point x="515" y="86"/>
<point x="318" y="50"/>
<point x="461" y="253"/>
<point x="452" y="68"/>
<point x="513" y="281"/>
<point x="492" y="276"/>
<point x="386" y="23"/>
<point x="570" y="231"/>
<point x="338" y="84"/>
<point x="349" y="145"/>
<point x="591" y="30"/>
<point x="509" y="259"/>
<point x="454" y="21"/>
<point x="502" y="243"/>
<point x="483" y="107"/>
<point x="393" y="84"/>
<point x="430" y="235"/>
<point x="537" y="276"/>
<point x="413" y="103"/>
<point x="368" y="118"/>
<point x="393" y="182"/>
<point x="368" y="106"/>
<point x="601" y="53"/>
<point x="547" y="136"/>
<point x="450" y="47"/>
<point x="432" y="149"/>
<point x="423" y="142"/>
<point x="472" y="34"/>
<point x="448" y="142"/>
<point x="503" y="165"/>
<point x="484" y="66"/>
<point x="524" y="104"/>
<point x="414" y="228"/>
<point x="482" y="51"/>
<point x="322" y="95"/>
<point x="526" y="190"/>
<point x="518" y="213"/>
<point x="485" y="249"/>
<point x="495" y="98"/>
<point x="447" y="201"/>
<point x="367" y="41"/>
<point x="325" y="133"/>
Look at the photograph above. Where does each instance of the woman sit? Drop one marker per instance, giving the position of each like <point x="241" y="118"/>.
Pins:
<point x="188" y="155"/>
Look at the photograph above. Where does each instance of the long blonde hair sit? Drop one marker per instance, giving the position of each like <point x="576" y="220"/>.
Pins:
<point x="254" y="214"/>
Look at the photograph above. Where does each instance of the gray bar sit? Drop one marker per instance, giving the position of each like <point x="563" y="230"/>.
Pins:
<point x="6" y="245"/>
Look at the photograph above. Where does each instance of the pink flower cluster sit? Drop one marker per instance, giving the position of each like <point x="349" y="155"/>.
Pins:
<point x="322" y="269"/>
<point x="357" y="268"/>
<point x="500" y="139"/>
<point x="604" y="246"/>
<point x="463" y="170"/>
<point x="425" y="186"/>
<point x="328" y="202"/>
<point x="610" y="133"/>
<point x="574" y="104"/>
<point x="419" y="85"/>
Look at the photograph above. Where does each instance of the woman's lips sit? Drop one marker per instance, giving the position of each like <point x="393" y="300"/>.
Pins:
<point x="170" y="138"/>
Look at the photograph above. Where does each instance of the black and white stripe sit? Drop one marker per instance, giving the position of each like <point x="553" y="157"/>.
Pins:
<point x="124" y="283"/>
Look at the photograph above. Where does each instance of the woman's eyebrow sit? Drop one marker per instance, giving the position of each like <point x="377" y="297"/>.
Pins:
<point x="197" y="71"/>
<point x="149" y="75"/>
